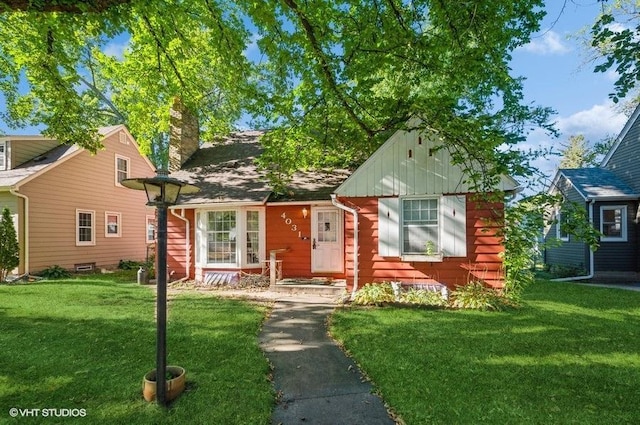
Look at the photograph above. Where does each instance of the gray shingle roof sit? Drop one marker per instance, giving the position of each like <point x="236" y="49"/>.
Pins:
<point x="14" y="176"/>
<point x="598" y="183"/>
<point x="226" y="172"/>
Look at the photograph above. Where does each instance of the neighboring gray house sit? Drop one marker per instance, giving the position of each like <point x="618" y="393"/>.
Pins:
<point x="610" y="193"/>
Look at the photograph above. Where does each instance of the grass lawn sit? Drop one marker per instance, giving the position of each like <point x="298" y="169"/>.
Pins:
<point x="570" y="355"/>
<point x="86" y="344"/>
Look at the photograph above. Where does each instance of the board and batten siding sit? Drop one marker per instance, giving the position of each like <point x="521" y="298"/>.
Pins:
<point x="409" y="163"/>
<point x="87" y="182"/>
<point x="483" y="248"/>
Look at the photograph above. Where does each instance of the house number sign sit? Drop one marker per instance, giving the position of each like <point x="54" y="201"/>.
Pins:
<point x="289" y="222"/>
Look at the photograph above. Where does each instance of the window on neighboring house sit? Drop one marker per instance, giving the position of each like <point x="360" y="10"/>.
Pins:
<point x="112" y="224"/>
<point x="419" y="229"/>
<point x="561" y="231"/>
<point x="3" y="155"/>
<point x="85" y="227"/>
<point x="233" y="238"/>
<point x="613" y="223"/>
<point x="151" y="229"/>
<point x="122" y="169"/>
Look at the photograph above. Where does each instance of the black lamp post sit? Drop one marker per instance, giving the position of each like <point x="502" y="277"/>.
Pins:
<point x="162" y="192"/>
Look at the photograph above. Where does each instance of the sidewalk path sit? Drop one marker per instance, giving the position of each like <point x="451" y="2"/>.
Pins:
<point x="316" y="382"/>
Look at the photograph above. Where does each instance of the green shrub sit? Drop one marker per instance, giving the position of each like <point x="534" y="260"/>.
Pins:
<point x="422" y="297"/>
<point x="375" y="294"/>
<point x="130" y="265"/>
<point x="55" y="272"/>
<point x="476" y="296"/>
<point x="561" y="270"/>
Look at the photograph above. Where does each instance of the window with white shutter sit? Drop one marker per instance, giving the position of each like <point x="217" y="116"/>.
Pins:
<point x="422" y="228"/>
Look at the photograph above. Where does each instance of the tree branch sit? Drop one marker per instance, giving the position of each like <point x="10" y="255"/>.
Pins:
<point x="325" y="67"/>
<point x="63" y="6"/>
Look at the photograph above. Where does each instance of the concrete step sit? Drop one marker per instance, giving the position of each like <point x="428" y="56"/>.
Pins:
<point x="310" y="286"/>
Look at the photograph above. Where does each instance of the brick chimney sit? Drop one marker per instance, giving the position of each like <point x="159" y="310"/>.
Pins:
<point x="184" y="135"/>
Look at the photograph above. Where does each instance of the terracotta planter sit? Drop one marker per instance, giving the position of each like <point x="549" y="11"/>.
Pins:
<point x="175" y="386"/>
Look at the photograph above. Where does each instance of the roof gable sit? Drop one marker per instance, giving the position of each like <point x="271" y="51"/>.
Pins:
<point x="596" y="184"/>
<point x="56" y="156"/>
<point x="410" y="163"/>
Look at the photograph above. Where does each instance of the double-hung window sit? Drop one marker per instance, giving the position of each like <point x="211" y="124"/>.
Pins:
<point x="230" y="238"/>
<point x="422" y="228"/>
<point x="122" y="169"/>
<point x="613" y="223"/>
<point x="85" y="227"/>
<point x="112" y="225"/>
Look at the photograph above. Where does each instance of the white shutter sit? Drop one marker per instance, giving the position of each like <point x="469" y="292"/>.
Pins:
<point x="454" y="226"/>
<point x="388" y="227"/>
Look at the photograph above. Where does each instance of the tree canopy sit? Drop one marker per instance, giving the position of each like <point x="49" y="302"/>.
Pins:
<point x="615" y="36"/>
<point x="331" y="79"/>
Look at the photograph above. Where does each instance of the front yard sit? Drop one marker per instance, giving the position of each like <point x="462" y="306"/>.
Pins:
<point x="571" y="355"/>
<point x="84" y="345"/>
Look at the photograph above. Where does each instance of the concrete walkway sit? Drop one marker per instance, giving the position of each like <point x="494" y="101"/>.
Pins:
<point x="315" y="381"/>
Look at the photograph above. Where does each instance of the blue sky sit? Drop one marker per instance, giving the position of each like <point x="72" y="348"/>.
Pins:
<point x="558" y="75"/>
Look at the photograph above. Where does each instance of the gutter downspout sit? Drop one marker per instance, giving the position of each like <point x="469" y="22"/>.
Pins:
<point x="591" y="265"/>
<point x="187" y="242"/>
<point x="335" y="202"/>
<point x="14" y="192"/>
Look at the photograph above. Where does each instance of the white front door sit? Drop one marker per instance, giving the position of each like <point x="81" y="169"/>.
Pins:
<point x="326" y="240"/>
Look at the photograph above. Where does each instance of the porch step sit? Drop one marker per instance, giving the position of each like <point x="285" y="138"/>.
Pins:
<point x="310" y="286"/>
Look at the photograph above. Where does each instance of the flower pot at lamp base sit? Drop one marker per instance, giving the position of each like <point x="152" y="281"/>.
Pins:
<point x="175" y="385"/>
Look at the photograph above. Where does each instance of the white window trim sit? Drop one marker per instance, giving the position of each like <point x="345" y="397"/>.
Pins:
<point x="437" y="255"/>
<point x="623" y="219"/>
<point x="151" y="218"/>
<point x="241" y="241"/>
<point x="106" y="225"/>
<point x="452" y="228"/>
<point x="93" y="228"/>
<point x="558" y="222"/>
<point x="128" y="161"/>
<point x="3" y="156"/>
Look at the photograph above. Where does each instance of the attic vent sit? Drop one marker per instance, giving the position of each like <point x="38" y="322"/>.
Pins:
<point x="39" y="158"/>
<point x="123" y="138"/>
<point x="410" y="153"/>
<point x="419" y="140"/>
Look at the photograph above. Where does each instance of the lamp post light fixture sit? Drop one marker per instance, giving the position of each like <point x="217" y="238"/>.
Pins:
<point x="162" y="191"/>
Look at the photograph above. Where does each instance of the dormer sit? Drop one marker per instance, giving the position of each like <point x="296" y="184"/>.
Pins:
<point x="17" y="150"/>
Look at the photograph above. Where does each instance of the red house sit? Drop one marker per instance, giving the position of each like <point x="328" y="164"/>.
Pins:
<point x="404" y="215"/>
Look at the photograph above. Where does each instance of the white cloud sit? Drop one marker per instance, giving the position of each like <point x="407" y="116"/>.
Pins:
<point x="596" y="123"/>
<point x="116" y="48"/>
<point x="549" y="43"/>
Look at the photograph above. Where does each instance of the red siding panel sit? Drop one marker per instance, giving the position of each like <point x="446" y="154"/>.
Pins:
<point x="483" y="259"/>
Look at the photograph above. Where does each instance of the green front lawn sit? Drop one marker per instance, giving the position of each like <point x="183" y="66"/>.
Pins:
<point x="571" y="355"/>
<point x="86" y="344"/>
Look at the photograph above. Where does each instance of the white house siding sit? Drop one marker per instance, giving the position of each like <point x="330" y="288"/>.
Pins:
<point x="409" y="163"/>
<point x="87" y="182"/>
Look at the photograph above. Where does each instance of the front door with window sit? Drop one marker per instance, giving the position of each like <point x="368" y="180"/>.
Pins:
<point x="327" y="252"/>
